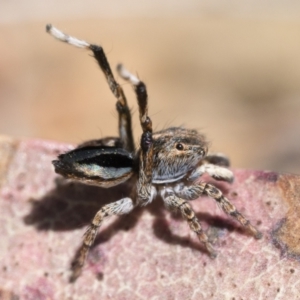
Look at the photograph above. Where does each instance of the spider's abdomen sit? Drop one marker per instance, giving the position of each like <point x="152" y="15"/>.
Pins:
<point x="102" y="166"/>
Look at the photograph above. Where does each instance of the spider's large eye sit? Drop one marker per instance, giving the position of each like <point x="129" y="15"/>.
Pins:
<point x="179" y="146"/>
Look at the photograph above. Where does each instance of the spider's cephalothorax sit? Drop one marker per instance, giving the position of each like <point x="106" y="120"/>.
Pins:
<point x="176" y="151"/>
<point x="168" y="162"/>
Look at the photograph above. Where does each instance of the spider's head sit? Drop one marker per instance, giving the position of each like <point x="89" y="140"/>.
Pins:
<point x="176" y="151"/>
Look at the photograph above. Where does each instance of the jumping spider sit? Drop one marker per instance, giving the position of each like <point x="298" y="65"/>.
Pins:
<point x="168" y="162"/>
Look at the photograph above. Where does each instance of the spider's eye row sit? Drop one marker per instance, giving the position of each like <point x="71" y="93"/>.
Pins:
<point x="179" y="146"/>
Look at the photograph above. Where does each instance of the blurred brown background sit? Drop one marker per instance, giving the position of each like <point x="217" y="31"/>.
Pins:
<point x="229" y="68"/>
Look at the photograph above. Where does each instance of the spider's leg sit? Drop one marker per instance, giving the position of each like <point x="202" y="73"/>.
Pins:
<point x="194" y="191"/>
<point x="142" y="97"/>
<point x="125" y="129"/>
<point x="215" y="171"/>
<point x="120" y="207"/>
<point x="229" y="208"/>
<point x="219" y="159"/>
<point x="145" y="190"/>
<point x="173" y="202"/>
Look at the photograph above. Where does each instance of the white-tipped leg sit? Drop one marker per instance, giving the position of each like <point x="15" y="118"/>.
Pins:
<point x="215" y="171"/>
<point x="125" y="130"/>
<point x="65" y="37"/>
<point x="125" y="74"/>
<point x="144" y="185"/>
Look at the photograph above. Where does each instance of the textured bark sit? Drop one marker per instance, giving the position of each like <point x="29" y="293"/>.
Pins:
<point x="149" y="254"/>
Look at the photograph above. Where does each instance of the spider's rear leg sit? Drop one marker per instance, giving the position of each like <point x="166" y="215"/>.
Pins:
<point x="173" y="202"/>
<point x="194" y="191"/>
<point x="120" y="207"/>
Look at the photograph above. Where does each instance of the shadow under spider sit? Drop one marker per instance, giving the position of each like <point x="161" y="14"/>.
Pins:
<point x="215" y="223"/>
<point x="71" y="205"/>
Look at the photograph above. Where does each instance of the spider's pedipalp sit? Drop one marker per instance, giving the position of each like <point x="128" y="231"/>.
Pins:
<point x="215" y="171"/>
<point x="120" y="207"/>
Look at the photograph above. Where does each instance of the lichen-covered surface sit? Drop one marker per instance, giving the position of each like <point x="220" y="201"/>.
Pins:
<point x="149" y="254"/>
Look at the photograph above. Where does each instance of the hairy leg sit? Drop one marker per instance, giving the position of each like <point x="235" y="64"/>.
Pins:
<point x="194" y="191"/>
<point x="120" y="207"/>
<point x="173" y="202"/>
<point x="125" y="127"/>
<point x="144" y="186"/>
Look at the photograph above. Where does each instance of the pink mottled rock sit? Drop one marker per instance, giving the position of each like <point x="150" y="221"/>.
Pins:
<point x="149" y="254"/>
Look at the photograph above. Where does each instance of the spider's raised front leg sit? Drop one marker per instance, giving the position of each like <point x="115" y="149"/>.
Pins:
<point x="123" y="206"/>
<point x="125" y="128"/>
<point x="172" y="202"/>
<point x="192" y="192"/>
<point x="145" y="190"/>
